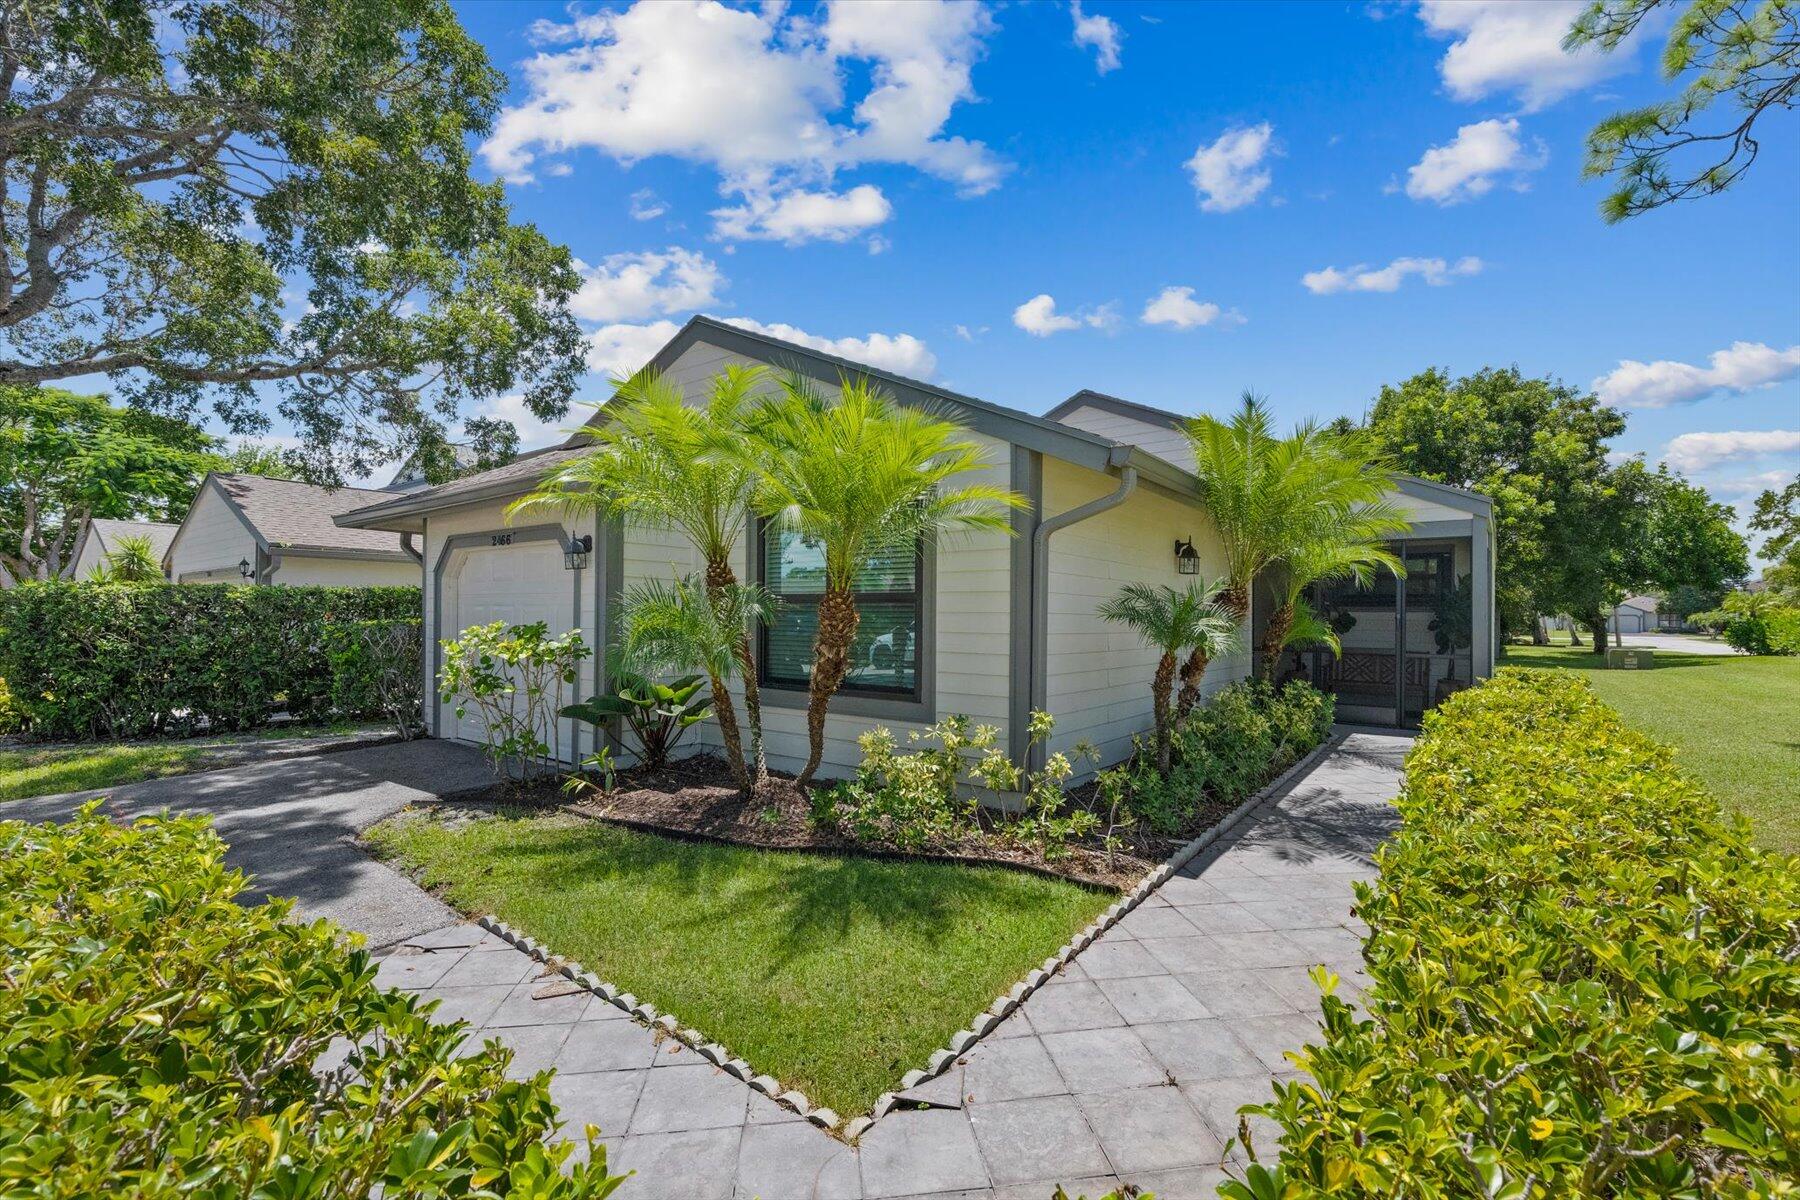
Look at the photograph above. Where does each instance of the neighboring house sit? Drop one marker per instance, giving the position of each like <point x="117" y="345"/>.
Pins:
<point x="410" y="477"/>
<point x="1637" y="614"/>
<point x="986" y="625"/>
<point x="100" y="537"/>
<point x="250" y="529"/>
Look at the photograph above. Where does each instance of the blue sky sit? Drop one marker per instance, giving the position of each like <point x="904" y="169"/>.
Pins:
<point x="1350" y="193"/>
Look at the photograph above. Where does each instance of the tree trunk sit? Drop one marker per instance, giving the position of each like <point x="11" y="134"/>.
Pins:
<point x="1598" y="625"/>
<point x="1274" y="640"/>
<point x="1192" y="671"/>
<point x="1539" y="635"/>
<point x="720" y="576"/>
<point x="1163" y="684"/>
<point x="728" y="729"/>
<point x="831" y="662"/>
<point x="759" y="761"/>
<point x="1234" y="598"/>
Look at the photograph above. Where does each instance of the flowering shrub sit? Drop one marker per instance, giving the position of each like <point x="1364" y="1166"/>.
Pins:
<point x="159" y="1039"/>
<point x="1586" y="982"/>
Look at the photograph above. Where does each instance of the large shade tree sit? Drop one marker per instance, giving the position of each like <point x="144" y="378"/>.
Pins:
<point x="1776" y="515"/>
<point x="1688" y="538"/>
<point x="857" y="475"/>
<point x="268" y="205"/>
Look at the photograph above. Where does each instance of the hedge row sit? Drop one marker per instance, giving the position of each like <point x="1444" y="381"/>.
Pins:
<point x="86" y="660"/>
<point x="1585" y="981"/>
<point x="158" y="1039"/>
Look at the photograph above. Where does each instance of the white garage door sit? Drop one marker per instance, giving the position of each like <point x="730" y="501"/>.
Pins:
<point x="518" y="584"/>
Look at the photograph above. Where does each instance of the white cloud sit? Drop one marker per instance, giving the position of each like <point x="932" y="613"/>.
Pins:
<point x="1512" y="45"/>
<point x="969" y="335"/>
<point x="1698" y="451"/>
<point x="901" y="353"/>
<point x="646" y="205"/>
<point x="1362" y="278"/>
<point x="617" y="351"/>
<point x="534" y="433"/>
<point x="1038" y="317"/>
<point x="803" y="216"/>
<point x="1230" y="173"/>
<point x="647" y="284"/>
<point x="1177" y="308"/>
<point x="1751" y="485"/>
<point x="1742" y="367"/>
<point x="758" y="95"/>
<point x="1468" y="166"/>
<point x="1100" y="33"/>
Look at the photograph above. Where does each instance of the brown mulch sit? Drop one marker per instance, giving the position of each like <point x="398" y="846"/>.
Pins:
<point x="695" y="798"/>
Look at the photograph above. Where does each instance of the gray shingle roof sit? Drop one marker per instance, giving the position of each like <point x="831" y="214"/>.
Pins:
<point x="288" y="513"/>
<point x="109" y="532"/>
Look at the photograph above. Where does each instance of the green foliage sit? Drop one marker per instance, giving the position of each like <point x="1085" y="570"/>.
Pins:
<point x="103" y="661"/>
<point x="1224" y="750"/>
<point x="1688" y="539"/>
<point x="133" y="560"/>
<point x="1777" y="514"/>
<point x="376" y="667"/>
<point x="66" y="457"/>
<point x="932" y="796"/>
<point x="1172" y="622"/>
<point x="254" y="458"/>
<point x="207" y="160"/>
<point x="514" y="677"/>
<point x="158" y="1039"/>
<point x="1768" y="630"/>
<point x="1583" y="978"/>
<point x="1685" y="600"/>
<point x="1452" y="624"/>
<point x="656" y="713"/>
<point x="1745" y="53"/>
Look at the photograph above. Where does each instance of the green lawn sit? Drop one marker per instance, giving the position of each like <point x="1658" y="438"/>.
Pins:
<point x="834" y="974"/>
<point x="28" y="772"/>
<point x="1734" y="722"/>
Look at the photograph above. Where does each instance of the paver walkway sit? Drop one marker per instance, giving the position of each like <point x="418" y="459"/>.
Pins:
<point x="1129" y="1067"/>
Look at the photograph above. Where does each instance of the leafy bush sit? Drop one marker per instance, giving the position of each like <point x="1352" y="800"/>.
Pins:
<point x="99" y="660"/>
<point x="1224" y="750"/>
<point x="1766" y="631"/>
<point x="1584" y="980"/>
<point x="9" y="714"/>
<point x="656" y="713"/>
<point x="514" y="676"/>
<point x="376" y="667"/>
<point x="158" y="1039"/>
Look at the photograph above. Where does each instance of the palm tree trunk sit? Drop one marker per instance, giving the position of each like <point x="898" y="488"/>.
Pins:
<point x="838" y="619"/>
<point x="720" y="576"/>
<point x="728" y="729"/>
<point x="759" y="780"/>
<point x="1163" y="684"/>
<point x="1192" y="671"/>
<point x="1274" y="641"/>
<point x="1234" y="598"/>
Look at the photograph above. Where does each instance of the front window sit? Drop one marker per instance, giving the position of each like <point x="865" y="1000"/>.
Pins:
<point x="1427" y="578"/>
<point x="884" y="660"/>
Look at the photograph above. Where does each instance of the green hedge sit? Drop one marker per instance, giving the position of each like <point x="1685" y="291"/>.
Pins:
<point x="376" y="669"/>
<point x="89" y="660"/>
<point x="1585" y="980"/>
<point x="158" y="1039"/>
<point x="1770" y="631"/>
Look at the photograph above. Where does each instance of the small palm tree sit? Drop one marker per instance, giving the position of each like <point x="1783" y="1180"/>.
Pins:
<point x="661" y="461"/>
<point x="1348" y="549"/>
<point x="858" y="475"/>
<point x="132" y="560"/>
<point x="1169" y="621"/>
<point x="685" y="626"/>
<point x="1211" y="639"/>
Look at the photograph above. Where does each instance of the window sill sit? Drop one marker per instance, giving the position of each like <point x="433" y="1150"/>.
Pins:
<point x="852" y="704"/>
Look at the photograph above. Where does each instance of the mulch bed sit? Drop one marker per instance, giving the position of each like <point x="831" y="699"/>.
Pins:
<point x="695" y="798"/>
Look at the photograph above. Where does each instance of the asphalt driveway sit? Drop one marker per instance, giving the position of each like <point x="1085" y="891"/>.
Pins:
<point x="292" y="825"/>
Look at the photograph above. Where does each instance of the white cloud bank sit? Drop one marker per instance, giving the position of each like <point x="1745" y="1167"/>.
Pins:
<point x="1231" y="172"/>
<point x="645" y="284"/>
<point x="1473" y="162"/>
<point x="803" y="216"/>
<point x="1698" y="451"/>
<point x="901" y="353"/>
<point x="1098" y="33"/>
<point x="1176" y="308"/>
<point x="1740" y="368"/>
<point x="1038" y="317"/>
<point x="1362" y="278"/>
<point x="1515" y="46"/>
<point x="618" y="351"/>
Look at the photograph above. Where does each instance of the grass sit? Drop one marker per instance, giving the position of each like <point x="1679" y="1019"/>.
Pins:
<point x="834" y="974"/>
<point x="50" y="771"/>
<point x="1731" y="719"/>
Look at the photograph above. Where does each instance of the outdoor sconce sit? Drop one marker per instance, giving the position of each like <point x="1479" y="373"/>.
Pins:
<point x="576" y="556"/>
<point x="1187" y="562"/>
<point x="246" y="570"/>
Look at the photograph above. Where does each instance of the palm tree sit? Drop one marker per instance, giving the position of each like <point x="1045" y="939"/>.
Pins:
<point x="1350" y="547"/>
<point x="1211" y="639"/>
<point x="662" y="461"/>
<point x="857" y="475"/>
<point x="132" y="560"/>
<point x="685" y="626"/>
<point x="1170" y="622"/>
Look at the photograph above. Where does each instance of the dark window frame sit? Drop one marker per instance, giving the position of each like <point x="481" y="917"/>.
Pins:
<point x="1384" y="600"/>
<point x="768" y="681"/>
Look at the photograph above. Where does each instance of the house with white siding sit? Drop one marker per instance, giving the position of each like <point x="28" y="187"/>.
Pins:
<point x="100" y="536"/>
<point x="252" y="529"/>
<point x="990" y="626"/>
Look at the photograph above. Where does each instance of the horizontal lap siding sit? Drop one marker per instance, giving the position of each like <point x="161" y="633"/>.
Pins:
<point x="1099" y="673"/>
<point x="211" y="539"/>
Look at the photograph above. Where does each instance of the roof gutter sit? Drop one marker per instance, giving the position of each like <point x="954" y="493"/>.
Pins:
<point x="412" y="551"/>
<point x="1040" y="581"/>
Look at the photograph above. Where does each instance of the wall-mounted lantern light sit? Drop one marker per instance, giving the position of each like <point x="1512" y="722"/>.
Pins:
<point x="246" y="570"/>
<point x="1187" y="562"/>
<point x="576" y="556"/>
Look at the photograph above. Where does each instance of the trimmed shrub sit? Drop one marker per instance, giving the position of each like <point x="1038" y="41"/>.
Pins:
<point x="158" y="1039"/>
<point x="1767" y="631"/>
<point x="99" y="660"/>
<point x="376" y="668"/>
<point x="1585" y="981"/>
